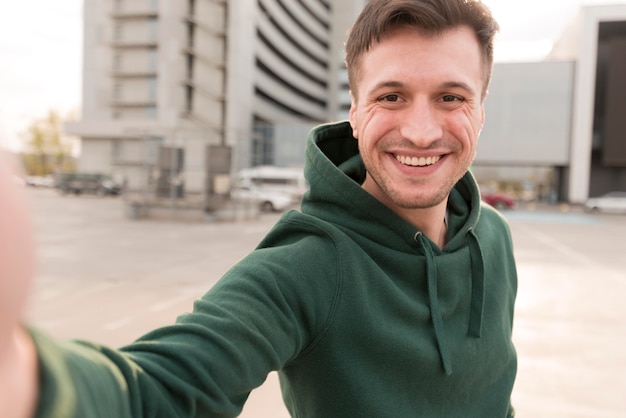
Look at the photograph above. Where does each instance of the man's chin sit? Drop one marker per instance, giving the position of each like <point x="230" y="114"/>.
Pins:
<point x="420" y="202"/>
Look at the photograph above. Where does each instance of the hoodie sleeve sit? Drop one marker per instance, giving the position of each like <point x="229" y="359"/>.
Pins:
<point x="260" y="315"/>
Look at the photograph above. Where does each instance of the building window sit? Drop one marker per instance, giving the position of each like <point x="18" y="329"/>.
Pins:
<point x="117" y="33"/>
<point x="152" y="88"/>
<point x="262" y="145"/>
<point x="153" y="34"/>
<point x="152" y="59"/>
<point x="116" y="151"/>
<point x="117" y="62"/>
<point x="117" y="92"/>
<point x="153" y="143"/>
<point x="188" y="99"/>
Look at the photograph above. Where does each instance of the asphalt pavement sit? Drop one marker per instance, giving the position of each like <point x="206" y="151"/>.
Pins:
<point x="107" y="278"/>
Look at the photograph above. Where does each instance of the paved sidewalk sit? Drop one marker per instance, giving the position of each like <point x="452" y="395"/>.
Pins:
<point x="109" y="279"/>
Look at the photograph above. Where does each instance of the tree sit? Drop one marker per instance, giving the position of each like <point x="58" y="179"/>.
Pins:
<point x="47" y="148"/>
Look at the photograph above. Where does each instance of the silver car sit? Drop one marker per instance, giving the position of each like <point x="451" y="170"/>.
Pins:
<point x="613" y="202"/>
<point x="268" y="200"/>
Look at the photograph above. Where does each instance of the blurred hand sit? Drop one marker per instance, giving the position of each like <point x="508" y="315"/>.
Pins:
<point x="17" y="261"/>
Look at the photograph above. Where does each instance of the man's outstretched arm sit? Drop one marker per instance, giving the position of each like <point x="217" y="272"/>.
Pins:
<point x="18" y="376"/>
<point x="18" y="358"/>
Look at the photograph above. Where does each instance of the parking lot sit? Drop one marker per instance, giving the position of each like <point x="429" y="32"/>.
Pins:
<point x="106" y="278"/>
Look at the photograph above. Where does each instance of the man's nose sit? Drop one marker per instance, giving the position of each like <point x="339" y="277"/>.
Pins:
<point x="421" y="124"/>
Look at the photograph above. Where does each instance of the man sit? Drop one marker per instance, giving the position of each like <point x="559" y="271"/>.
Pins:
<point x="389" y="295"/>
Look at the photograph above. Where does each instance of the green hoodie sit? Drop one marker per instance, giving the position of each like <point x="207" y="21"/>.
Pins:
<point x="360" y="313"/>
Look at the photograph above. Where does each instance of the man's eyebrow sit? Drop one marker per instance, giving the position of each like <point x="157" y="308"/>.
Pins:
<point x="456" y="85"/>
<point x="387" y="84"/>
<point x="445" y="85"/>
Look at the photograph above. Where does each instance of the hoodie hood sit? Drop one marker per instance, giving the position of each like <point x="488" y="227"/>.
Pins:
<point x="335" y="172"/>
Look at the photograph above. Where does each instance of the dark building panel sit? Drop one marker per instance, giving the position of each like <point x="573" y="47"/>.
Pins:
<point x="614" y="153"/>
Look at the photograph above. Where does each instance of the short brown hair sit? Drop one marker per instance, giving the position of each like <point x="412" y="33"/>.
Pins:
<point x="431" y="17"/>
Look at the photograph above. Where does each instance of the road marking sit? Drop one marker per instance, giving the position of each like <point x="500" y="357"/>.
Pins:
<point x="577" y="256"/>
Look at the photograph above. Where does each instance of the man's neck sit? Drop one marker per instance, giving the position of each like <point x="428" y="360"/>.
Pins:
<point x="431" y="221"/>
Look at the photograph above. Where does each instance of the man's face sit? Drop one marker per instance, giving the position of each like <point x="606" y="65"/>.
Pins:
<point x="417" y="114"/>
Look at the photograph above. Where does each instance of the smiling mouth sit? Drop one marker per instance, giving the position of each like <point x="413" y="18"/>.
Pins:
<point x="417" y="161"/>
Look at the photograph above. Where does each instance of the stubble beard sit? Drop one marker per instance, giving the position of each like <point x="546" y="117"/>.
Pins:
<point x="413" y="200"/>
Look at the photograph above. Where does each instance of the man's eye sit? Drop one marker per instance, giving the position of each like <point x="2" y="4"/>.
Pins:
<point x="448" y="98"/>
<point x="390" y="98"/>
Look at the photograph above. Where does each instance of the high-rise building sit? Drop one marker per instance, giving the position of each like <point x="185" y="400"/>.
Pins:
<point x="178" y="95"/>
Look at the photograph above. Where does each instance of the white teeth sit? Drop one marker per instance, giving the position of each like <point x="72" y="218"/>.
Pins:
<point x="417" y="162"/>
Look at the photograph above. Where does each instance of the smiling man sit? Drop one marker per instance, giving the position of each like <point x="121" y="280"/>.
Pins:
<point x="417" y="110"/>
<point x="390" y="294"/>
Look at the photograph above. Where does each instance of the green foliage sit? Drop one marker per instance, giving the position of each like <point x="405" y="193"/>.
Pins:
<point x="47" y="149"/>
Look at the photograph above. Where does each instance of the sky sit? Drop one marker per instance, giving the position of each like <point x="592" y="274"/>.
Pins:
<point x="41" y="52"/>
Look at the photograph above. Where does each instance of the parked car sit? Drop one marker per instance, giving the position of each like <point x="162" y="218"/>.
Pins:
<point x="613" y="202"/>
<point x="268" y="200"/>
<point x="77" y="183"/>
<point x="40" y="181"/>
<point x="499" y="201"/>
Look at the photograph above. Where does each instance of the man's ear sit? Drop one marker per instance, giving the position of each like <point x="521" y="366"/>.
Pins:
<point x="353" y="124"/>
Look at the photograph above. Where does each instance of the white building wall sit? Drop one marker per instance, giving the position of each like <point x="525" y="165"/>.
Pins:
<point x="209" y="79"/>
<point x="208" y="109"/>
<point x="317" y="8"/>
<point x="194" y="169"/>
<point x="289" y="26"/>
<point x="240" y="78"/>
<point x="131" y="150"/>
<point x="135" y="90"/>
<point x="207" y="49"/>
<point x="528" y="115"/>
<point x="286" y="73"/>
<point x="312" y="25"/>
<point x="581" y="40"/>
<point x="290" y="98"/>
<point x="96" y="156"/>
<point x="280" y="43"/>
<point x="171" y="65"/>
<point x="135" y="6"/>
<point x="135" y="31"/>
<point x="268" y="111"/>
<point x="344" y="15"/>
<point x="134" y="61"/>
<point x="96" y="61"/>
<point x="212" y="15"/>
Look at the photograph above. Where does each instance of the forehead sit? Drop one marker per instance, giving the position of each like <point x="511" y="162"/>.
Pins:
<point x="407" y="55"/>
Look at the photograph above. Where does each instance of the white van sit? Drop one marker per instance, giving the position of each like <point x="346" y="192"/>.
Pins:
<point x="275" y="188"/>
<point x="285" y="179"/>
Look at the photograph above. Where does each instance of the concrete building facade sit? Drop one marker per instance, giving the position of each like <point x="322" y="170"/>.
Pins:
<point x="178" y="95"/>
<point x="596" y="42"/>
<point x="560" y="123"/>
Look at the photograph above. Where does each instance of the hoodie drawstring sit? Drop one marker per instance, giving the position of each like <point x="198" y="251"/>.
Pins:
<point x="478" y="285"/>
<point x="435" y="309"/>
<point x="477" y="300"/>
